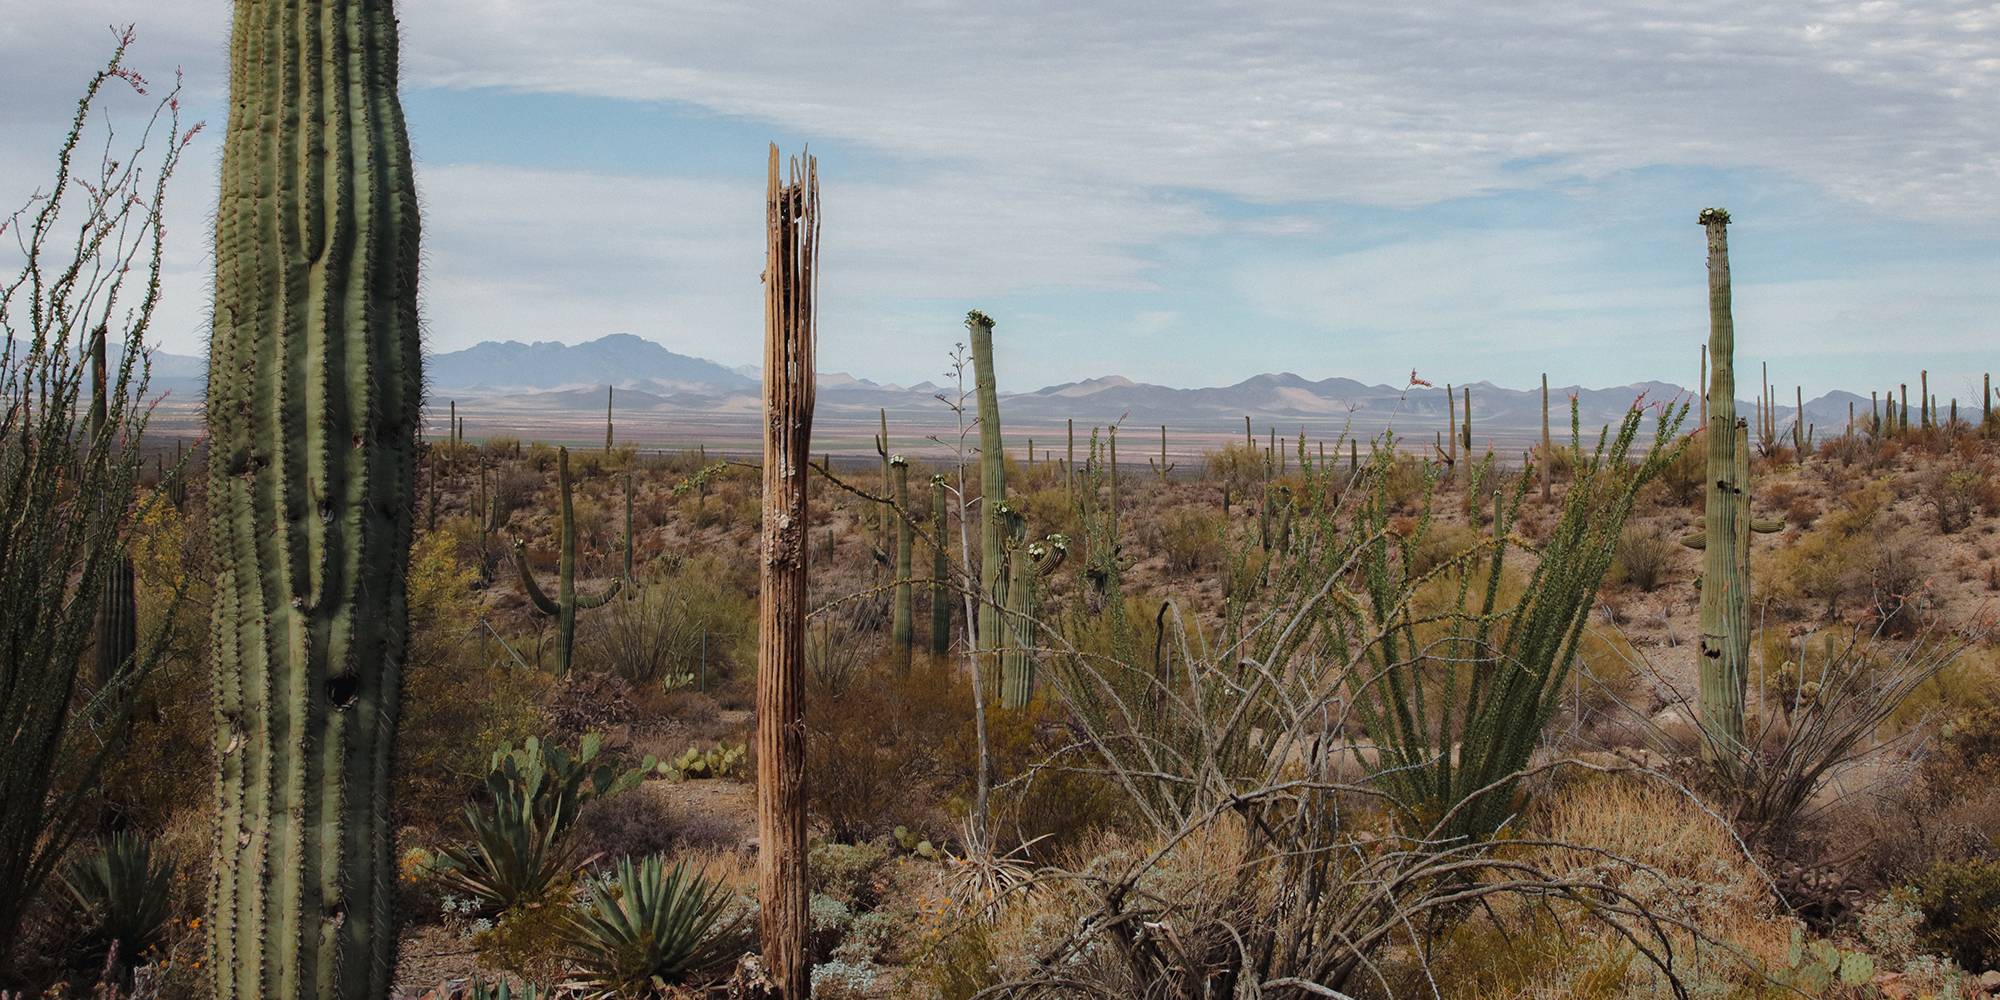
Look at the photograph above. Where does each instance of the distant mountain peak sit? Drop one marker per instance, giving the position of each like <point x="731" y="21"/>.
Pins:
<point x="619" y="359"/>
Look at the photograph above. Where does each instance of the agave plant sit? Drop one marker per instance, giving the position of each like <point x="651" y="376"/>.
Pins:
<point x="654" y="929"/>
<point x="126" y="896"/>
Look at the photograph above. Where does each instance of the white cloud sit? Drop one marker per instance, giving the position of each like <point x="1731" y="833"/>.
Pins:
<point x="1884" y="104"/>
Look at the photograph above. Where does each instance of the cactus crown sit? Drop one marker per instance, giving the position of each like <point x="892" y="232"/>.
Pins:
<point x="1709" y="215"/>
<point x="976" y="318"/>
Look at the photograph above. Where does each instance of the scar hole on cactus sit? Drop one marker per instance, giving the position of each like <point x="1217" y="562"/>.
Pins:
<point x="341" y="692"/>
<point x="336" y="914"/>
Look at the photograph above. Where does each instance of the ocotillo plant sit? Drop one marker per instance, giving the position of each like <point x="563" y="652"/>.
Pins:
<point x="903" y="625"/>
<point x="1725" y="586"/>
<point x="567" y="602"/>
<point x="314" y="395"/>
<point x="791" y="271"/>
<point x="940" y="572"/>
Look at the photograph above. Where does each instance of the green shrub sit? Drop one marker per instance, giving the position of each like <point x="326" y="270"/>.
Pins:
<point x="518" y="856"/>
<point x="126" y="894"/>
<point x="683" y="617"/>
<point x="1189" y="537"/>
<point x="1643" y="553"/>
<point x="1961" y="904"/>
<point x="653" y="929"/>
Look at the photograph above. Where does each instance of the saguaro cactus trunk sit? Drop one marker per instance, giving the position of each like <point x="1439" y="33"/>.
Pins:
<point x="790" y="277"/>
<point x="567" y="601"/>
<point x="903" y="625"/>
<point x="940" y="571"/>
<point x="1725" y="587"/>
<point x="314" y="389"/>
<point x="992" y="485"/>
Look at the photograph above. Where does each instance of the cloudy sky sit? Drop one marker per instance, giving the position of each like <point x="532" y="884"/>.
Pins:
<point x="1184" y="193"/>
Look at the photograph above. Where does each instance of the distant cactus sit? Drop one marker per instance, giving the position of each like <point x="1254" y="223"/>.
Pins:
<point x="940" y="572"/>
<point x="1164" y="467"/>
<point x="903" y="625"/>
<point x="568" y="602"/>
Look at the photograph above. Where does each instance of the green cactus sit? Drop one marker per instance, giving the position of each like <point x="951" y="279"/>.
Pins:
<point x="1029" y="565"/>
<point x="1164" y="467"/>
<point x="568" y="602"/>
<point x="903" y="625"/>
<point x="1725" y="590"/>
<point x="314" y="395"/>
<point x="940" y="572"/>
<point x="1813" y="968"/>
<point x="992" y="484"/>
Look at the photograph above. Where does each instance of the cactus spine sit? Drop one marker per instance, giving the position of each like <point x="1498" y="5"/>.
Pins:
<point x="940" y="571"/>
<point x="568" y="602"/>
<point x="314" y="395"/>
<point x="903" y="624"/>
<point x="1725" y="608"/>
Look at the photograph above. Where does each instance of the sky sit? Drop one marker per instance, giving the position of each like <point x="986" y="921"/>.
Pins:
<point x="1177" y="192"/>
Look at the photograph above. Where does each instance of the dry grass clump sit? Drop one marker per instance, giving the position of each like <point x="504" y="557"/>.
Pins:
<point x="1653" y="843"/>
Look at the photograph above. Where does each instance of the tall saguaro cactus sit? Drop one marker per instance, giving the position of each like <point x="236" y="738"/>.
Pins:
<point x="940" y="571"/>
<point x="315" y="385"/>
<point x="992" y="483"/>
<point x="567" y="601"/>
<point x="790" y="276"/>
<point x="903" y="624"/>
<point x="1725" y="583"/>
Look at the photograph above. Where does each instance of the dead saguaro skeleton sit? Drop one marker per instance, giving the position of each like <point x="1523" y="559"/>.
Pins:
<point x="792" y="231"/>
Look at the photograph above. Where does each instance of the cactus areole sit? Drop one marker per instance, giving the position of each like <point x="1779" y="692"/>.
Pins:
<point x="1725" y="632"/>
<point x="314" y="396"/>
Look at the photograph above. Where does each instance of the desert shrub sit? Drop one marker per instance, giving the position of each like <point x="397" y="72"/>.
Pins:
<point x="1444" y="541"/>
<point x="1685" y="478"/>
<point x="886" y="749"/>
<point x="513" y="489"/>
<point x="1967" y="758"/>
<point x="1802" y="512"/>
<point x="656" y="928"/>
<point x="1896" y="575"/>
<point x="1953" y="493"/>
<point x="1238" y="465"/>
<point x="1846" y="449"/>
<point x="1961" y="906"/>
<point x="454" y="707"/>
<point x="587" y="701"/>
<point x="1643" y="553"/>
<point x="541" y="456"/>
<point x="125" y="892"/>
<point x="656" y="638"/>
<point x="625" y="826"/>
<point x="501" y="446"/>
<point x="1190" y="538"/>
<point x="851" y="873"/>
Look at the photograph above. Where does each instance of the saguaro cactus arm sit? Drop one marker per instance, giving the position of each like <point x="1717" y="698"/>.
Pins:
<point x="567" y="601"/>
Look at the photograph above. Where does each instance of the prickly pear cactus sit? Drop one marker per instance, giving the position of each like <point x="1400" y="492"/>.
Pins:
<point x="315" y="383"/>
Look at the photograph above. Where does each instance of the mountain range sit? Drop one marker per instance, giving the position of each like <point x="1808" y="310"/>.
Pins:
<point x="656" y="386"/>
